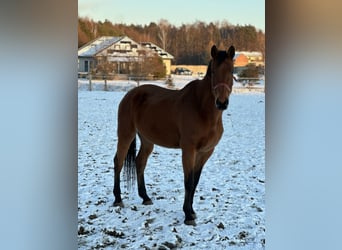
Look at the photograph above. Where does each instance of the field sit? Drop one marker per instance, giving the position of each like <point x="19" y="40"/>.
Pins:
<point x="230" y="197"/>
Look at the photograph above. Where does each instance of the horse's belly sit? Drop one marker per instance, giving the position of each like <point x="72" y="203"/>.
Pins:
<point x="167" y="142"/>
<point x="160" y="133"/>
<point x="163" y="139"/>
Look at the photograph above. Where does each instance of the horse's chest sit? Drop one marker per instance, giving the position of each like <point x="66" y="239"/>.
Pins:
<point x="210" y="138"/>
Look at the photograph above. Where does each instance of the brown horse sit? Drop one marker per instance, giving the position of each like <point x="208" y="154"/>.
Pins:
<point x="190" y="119"/>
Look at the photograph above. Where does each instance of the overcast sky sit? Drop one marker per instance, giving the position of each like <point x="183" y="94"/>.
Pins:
<point x="177" y="12"/>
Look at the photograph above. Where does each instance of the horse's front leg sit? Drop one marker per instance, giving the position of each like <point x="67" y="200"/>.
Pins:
<point x="197" y="174"/>
<point x="201" y="159"/>
<point x="188" y="158"/>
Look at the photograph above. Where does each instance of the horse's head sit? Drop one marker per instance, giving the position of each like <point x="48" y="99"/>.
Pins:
<point x="222" y="66"/>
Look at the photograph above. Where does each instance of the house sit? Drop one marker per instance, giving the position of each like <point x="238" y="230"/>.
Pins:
<point x="243" y="58"/>
<point x="254" y="57"/>
<point x="240" y="60"/>
<point x="118" y="50"/>
<point x="122" y="52"/>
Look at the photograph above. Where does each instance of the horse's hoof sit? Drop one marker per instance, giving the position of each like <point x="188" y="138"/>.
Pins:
<point x="147" y="202"/>
<point x="190" y="222"/>
<point x="118" y="204"/>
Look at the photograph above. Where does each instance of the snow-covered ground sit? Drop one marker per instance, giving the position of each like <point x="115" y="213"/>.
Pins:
<point x="230" y="197"/>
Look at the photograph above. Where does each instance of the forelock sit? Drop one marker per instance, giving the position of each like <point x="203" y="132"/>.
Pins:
<point x="221" y="56"/>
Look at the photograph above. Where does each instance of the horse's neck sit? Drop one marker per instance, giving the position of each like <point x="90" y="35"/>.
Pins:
<point x="204" y="90"/>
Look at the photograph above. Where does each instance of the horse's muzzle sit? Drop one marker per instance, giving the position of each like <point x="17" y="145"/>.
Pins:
<point x="222" y="105"/>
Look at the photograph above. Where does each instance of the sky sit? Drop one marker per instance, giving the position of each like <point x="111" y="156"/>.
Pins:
<point x="177" y="12"/>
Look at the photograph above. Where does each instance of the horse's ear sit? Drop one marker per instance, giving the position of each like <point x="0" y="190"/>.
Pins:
<point x="213" y="51"/>
<point x="231" y="52"/>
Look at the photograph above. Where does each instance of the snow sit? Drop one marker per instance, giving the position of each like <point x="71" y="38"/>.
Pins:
<point x="229" y="200"/>
<point x="99" y="44"/>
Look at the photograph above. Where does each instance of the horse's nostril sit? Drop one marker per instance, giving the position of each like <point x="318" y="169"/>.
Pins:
<point x="222" y="105"/>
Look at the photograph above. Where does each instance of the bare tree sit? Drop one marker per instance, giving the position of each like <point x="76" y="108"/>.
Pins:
<point x="163" y="35"/>
<point x="104" y="68"/>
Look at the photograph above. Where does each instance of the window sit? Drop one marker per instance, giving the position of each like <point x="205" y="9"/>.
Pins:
<point x="86" y="66"/>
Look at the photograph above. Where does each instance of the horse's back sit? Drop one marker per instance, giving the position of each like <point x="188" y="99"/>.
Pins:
<point x="147" y="96"/>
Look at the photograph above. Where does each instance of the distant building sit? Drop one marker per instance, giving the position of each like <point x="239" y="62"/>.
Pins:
<point x="121" y="51"/>
<point x="254" y="57"/>
<point x="240" y="60"/>
<point x="165" y="56"/>
<point x="243" y="58"/>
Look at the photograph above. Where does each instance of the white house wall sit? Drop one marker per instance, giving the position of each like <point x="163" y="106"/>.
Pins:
<point x="118" y="50"/>
<point x="82" y="64"/>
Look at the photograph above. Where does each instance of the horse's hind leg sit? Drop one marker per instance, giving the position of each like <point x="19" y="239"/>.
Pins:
<point x="141" y="160"/>
<point x="117" y="191"/>
<point x="122" y="149"/>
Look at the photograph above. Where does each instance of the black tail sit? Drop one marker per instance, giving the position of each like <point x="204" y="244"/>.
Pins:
<point x="130" y="165"/>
